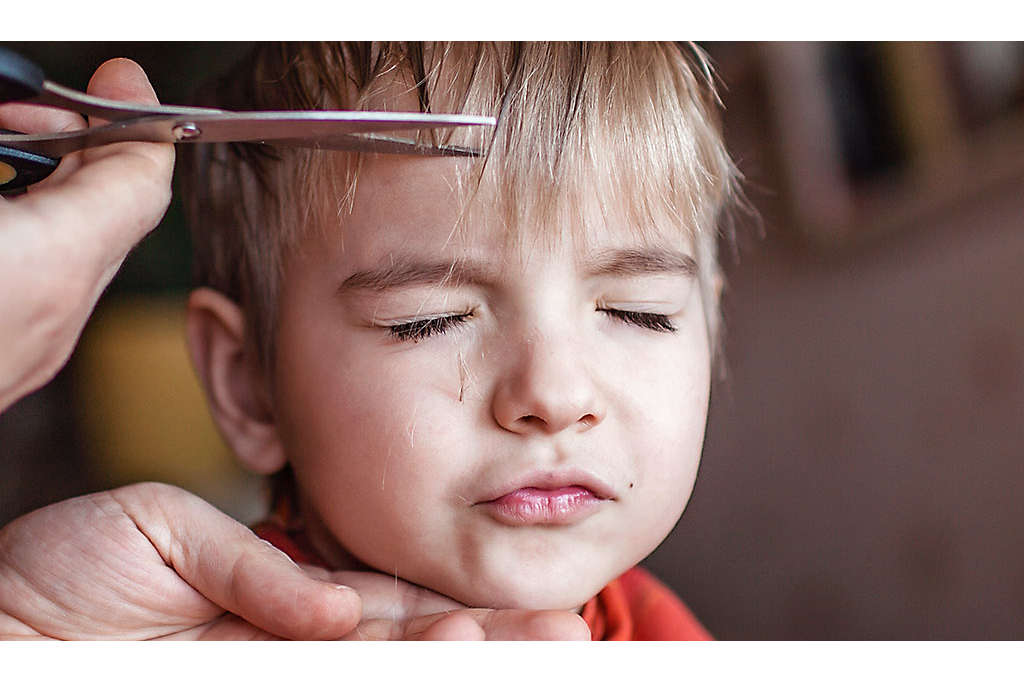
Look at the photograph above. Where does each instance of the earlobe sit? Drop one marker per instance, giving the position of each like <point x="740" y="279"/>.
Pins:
<point x="235" y="386"/>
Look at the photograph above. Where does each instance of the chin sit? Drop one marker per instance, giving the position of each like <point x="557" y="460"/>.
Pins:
<point x="533" y="573"/>
<point x="539" y="589"/>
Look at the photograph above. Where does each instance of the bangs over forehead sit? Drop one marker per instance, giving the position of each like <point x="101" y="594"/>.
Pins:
<point x="629" y="124"/>
<point x="629" y="128"/>
<point x="616" y="125"/>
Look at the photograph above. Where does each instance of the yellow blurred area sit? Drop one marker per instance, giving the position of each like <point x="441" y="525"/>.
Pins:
<point x="142" y="412"/>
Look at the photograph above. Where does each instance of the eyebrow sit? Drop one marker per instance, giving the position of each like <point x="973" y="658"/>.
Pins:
<point x="645" y="261"/>
<point x="404" y="272"/>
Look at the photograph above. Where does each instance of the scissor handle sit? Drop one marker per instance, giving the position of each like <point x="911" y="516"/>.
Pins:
<point x="20" y="169"/>
<point x="19" y="78"/>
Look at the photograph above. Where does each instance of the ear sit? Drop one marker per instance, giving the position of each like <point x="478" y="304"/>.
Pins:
<point x="236" y="387"/>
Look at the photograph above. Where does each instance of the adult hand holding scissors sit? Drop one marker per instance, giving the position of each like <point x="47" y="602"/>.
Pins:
<point x="63" y="241"/>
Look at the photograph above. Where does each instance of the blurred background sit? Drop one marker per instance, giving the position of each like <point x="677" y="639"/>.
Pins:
<point x="864" y="449"/>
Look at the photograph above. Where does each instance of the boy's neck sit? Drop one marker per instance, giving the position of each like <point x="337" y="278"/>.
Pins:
<point x="329" y="550"/>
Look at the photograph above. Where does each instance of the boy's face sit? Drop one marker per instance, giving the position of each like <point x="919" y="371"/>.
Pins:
<point x="516" y="436"/>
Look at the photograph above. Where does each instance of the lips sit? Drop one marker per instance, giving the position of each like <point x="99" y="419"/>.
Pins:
<point x="547" y="499"/>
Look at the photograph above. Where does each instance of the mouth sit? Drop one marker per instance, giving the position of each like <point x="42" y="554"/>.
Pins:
<point x="551" y="499"/>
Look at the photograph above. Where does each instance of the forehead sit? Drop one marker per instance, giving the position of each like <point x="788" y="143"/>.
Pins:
<point x="430" y="207"/>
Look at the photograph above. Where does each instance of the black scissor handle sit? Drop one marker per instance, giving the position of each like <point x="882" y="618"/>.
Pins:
<point x="19" y="78"/>
<point x="20" y="169"/>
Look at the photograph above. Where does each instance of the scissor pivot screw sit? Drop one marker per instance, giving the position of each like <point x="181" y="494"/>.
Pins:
<point x="186" y="131"/>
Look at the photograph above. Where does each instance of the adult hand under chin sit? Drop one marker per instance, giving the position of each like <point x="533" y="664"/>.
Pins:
<point x="396" y="610"/>
<point x="150" y="561"/>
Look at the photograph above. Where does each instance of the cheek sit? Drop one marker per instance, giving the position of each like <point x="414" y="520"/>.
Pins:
<point x="672" y="425"/>
<point x="339" y="383"/>
<point x="370" y="433"/>
<point x="675" y="453"/>
<point x="356" y="415"/>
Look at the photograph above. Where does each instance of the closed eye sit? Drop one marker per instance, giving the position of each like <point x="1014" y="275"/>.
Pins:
<point x="420" y="329"/>
<point x="653" y="321"/>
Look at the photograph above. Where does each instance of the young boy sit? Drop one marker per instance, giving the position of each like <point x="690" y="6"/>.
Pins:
<point x="488" y="377"/>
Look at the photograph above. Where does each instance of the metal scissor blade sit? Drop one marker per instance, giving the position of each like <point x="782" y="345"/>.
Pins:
<point x="56" y="145"/>
<point x="279" y="125"/>
<point x="55" y="95"/>
<point x="257" y="126"/>
<point x="378" y="144"/>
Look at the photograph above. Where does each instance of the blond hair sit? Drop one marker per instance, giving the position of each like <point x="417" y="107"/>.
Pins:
<point x="632" y="121"/>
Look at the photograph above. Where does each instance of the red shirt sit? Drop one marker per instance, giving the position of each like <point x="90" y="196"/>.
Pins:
<point x="636" y="606"/>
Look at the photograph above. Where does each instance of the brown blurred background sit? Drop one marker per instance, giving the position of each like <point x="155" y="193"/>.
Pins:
<point x="864" y="452"/>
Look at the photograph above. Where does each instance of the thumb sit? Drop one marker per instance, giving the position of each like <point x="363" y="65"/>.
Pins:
<point x="225" y="562"/>
<point x="123" y="80"/>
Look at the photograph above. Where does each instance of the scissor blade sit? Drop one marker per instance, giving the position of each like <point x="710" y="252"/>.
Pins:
<point x="293" y="125"/>
<point x="56" y="145"/>
<point x="377" y="144"/>
<point x="258" y="126"/>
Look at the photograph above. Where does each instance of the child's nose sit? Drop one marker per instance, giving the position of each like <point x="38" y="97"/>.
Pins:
<point x="549" y="390"/>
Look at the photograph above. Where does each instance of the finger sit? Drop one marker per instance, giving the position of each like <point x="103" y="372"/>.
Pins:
<point x="122" y="80"/>
<point x="230" y="566"/>
<point x="32" y="118"/>
<point x="125" y="81"/>
<point x="475" y="624"/>
<point x="127" y="185"/>
<point x="117" y="79"/>
<point x="388" y="597"/>
<point x="511" y="624"/>
<point x="459" y="627"/>
<point x="28" y="118"/>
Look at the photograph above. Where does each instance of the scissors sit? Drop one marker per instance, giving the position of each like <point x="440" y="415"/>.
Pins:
<point x="27" y="159"/>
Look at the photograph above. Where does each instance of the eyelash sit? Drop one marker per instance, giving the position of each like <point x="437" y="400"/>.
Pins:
<point x="653" y="321"/>
<point x="420" y="329"/>
<point x="417" y="330"/>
